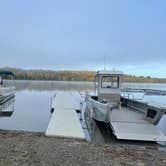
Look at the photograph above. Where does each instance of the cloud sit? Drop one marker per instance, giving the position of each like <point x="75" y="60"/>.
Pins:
<point x="57" y="35"/>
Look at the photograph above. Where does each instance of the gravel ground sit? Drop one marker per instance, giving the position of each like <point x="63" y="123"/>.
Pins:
<point x="35" y="149"/>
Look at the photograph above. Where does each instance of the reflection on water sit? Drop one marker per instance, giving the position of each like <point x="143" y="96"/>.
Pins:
<point x="77" y="85"/>
<point x="32" y="105"/>
<point x="31" y="112"/>
<point x="99" y="132"/>
<point x="155" y="86"/>
<point x="53" y="85"/>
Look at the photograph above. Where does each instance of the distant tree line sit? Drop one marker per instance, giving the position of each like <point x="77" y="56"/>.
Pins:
<point x="21" y="74"/>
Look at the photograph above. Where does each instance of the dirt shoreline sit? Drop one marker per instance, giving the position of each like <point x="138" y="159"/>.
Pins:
<point x="19" y="148"/>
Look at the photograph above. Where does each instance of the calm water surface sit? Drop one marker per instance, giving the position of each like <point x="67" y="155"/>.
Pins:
<point x="32" y="102"/>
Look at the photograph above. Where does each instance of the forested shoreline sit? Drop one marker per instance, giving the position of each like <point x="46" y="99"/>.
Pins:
<point x="65" y="75"/>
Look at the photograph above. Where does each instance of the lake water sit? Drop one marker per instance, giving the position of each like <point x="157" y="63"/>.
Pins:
<point x="32" y="102"/>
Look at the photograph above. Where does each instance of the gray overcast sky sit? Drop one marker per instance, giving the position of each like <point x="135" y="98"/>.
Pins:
<point x="78" y="34"/>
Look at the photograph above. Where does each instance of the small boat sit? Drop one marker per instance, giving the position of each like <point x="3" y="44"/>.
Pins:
<point x="128" y="118"/>
<point x="7" y="89"/>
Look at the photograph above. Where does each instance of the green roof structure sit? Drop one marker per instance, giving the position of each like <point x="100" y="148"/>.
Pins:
<point x="5" y="72"/>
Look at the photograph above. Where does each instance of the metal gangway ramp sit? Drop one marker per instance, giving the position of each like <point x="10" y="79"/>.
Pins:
<point x="130" y="125"/>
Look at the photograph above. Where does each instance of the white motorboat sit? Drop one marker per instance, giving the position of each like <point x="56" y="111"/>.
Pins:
<point x="129" y="118"/>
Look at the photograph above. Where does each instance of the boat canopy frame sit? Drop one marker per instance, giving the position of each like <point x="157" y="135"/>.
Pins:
<point x="5" y="72"/>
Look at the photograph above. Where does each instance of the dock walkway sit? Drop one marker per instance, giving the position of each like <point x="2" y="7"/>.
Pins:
<point x="65" y="121"/>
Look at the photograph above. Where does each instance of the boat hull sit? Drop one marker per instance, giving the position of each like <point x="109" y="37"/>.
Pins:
<point x="99" y="111"/>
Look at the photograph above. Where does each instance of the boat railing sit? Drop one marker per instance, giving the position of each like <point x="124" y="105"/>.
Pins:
<point x="153" y="112"/>
<point x="145" y="91"/>
<point x="130" y="95"/>
<point x="8" y="83"/>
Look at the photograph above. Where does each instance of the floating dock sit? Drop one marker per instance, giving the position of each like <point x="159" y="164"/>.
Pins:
<point x="65" y="121"/>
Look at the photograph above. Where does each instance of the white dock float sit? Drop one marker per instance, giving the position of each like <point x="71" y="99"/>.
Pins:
<point x="67" y="100"/>
<point x="65" y="121"/>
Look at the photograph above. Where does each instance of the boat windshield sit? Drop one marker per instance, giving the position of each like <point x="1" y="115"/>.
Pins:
<point x="110" y="82"/>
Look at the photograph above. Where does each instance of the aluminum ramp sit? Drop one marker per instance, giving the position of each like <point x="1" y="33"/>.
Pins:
<point x="131" y="125"/>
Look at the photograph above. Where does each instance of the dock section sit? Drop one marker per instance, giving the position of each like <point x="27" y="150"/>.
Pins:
<point x="65" y="121"/>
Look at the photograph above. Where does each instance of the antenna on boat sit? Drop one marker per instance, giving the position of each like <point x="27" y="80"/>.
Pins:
<point x="104" y="62"/>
